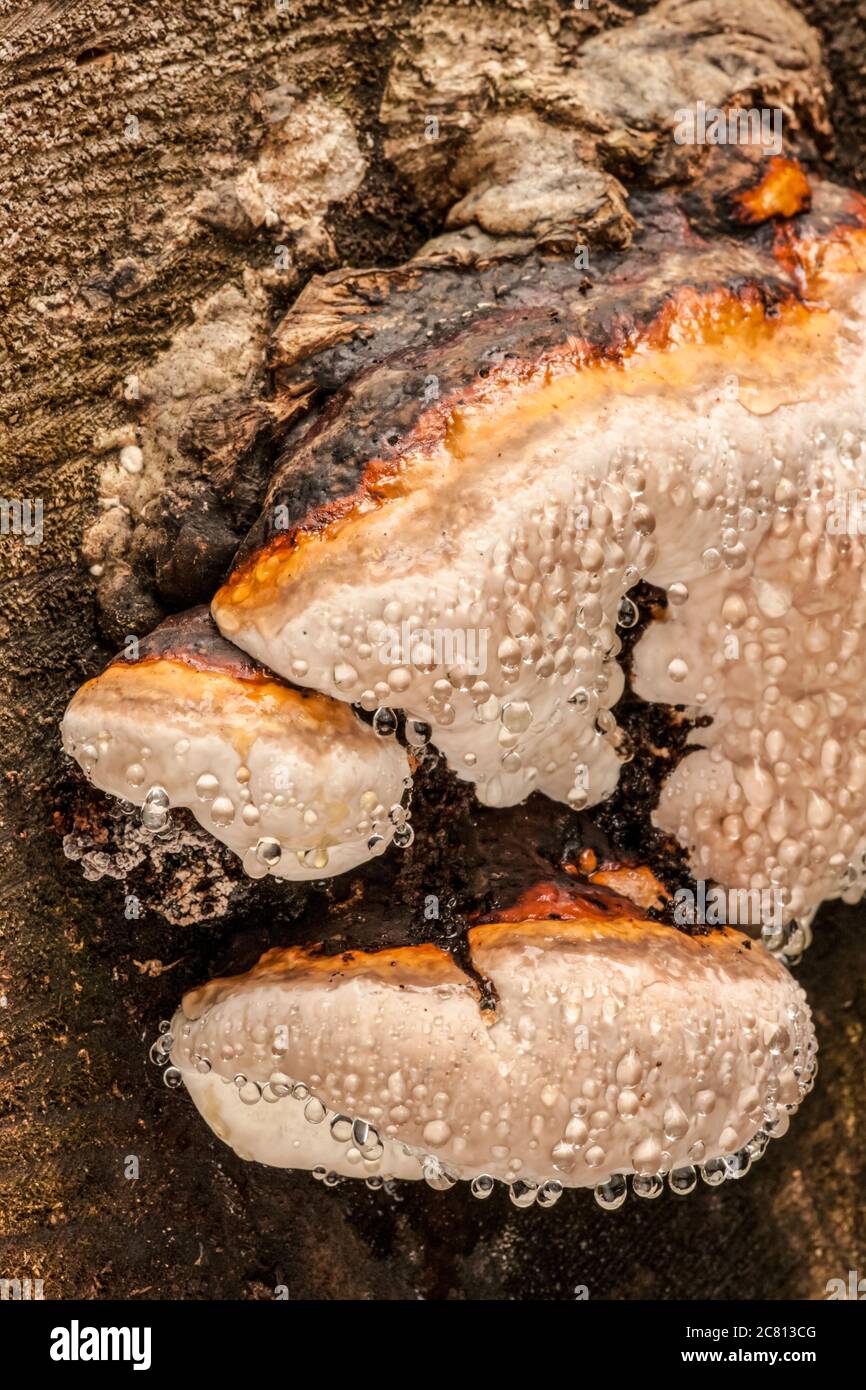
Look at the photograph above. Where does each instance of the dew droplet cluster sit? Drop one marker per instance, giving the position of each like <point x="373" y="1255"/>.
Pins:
<point x="592" y="1075"/>
<point x="293" y="796"/>
<point x="725" y="500"/>
<point x="772" y="650"/>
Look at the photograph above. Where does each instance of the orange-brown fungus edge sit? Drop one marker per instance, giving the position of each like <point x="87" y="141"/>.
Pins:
<point x="782" y="192"/>
<point x="159" y="674"/>
<point x="688" y="314"/>
<point x="428" y="966"/>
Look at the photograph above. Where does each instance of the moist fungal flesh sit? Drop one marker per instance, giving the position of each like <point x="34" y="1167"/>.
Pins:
<point x="291" y="781"/>
<point x="615" y="1044"/>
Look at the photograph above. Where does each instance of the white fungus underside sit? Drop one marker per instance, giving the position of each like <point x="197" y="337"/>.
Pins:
<point x="606" y="1056"/>
<point x="496" y="545"/>
<point x="320" y="796"/>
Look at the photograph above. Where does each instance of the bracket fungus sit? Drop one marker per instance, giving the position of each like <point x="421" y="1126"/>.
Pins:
<point x="616" y="1045"/>
<point x="691" y="420"/>
<point x="556" y="514"/>
<point x="291" y="781"/>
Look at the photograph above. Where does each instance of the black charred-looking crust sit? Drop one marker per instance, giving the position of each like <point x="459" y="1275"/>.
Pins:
<point x="409" y="340"/>
<point x="193" y="639"/>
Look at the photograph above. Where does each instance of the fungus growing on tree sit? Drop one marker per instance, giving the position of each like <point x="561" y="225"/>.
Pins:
<point x="566" y="497"/>
<point x="291" y="781"/>
<point x="616" y="1045"/>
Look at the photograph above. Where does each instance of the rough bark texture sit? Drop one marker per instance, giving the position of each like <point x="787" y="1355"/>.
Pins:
<point x="148" y="224"/>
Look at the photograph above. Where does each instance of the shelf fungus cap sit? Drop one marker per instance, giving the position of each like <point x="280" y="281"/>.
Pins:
<point x="475" y="571"/>
<point x="293" y="782"/>
<point x="618" y="1045"/>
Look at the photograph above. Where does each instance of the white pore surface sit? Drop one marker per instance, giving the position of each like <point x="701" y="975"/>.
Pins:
<point x="272" y="770"/>
<point x="718" y="490"/>
<point x="636" y="1051"/>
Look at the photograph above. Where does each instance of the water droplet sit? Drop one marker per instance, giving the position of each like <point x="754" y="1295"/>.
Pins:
<point x="738" y="1164"/>
<point x="341" y="1129"/>
<point x="711" y="559"/>
<point x="517" y="716"/>
<point x="628" y="614"/>
<point x="268" y="851"/>
<point x="776" y="1122"/>
<point x="676" y="1121"/>
<point x="345" y="676"/>
<point x="250" y="1093"/>
<point x="780" y="1041"/>
<point x="363" y="1133"/>
<point x="222" y="811"/>
<point x="549" y="1193"/>
<point x="522" y="1192"/>
<point x="648" y="1185"/>
<point x="436" y="1175"/>
<point x="757" y="1145"/>
<point x="705" y="1102"/>
<point x="786" y="493"/>
<point x="714" y="1172"/>
<point x="482" y="1186"/>
<point x="207" y="786"/>
<point x="251" y="865"/>
<point x="773" y="936"/>
<point x="683" y="1181"/>
<point x="678" y="669"/>
<point x="629" y="1070"/>
<point x="611" y="1194"/>
<point x="154" y="812"/>
<point x="385" y="722"/>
